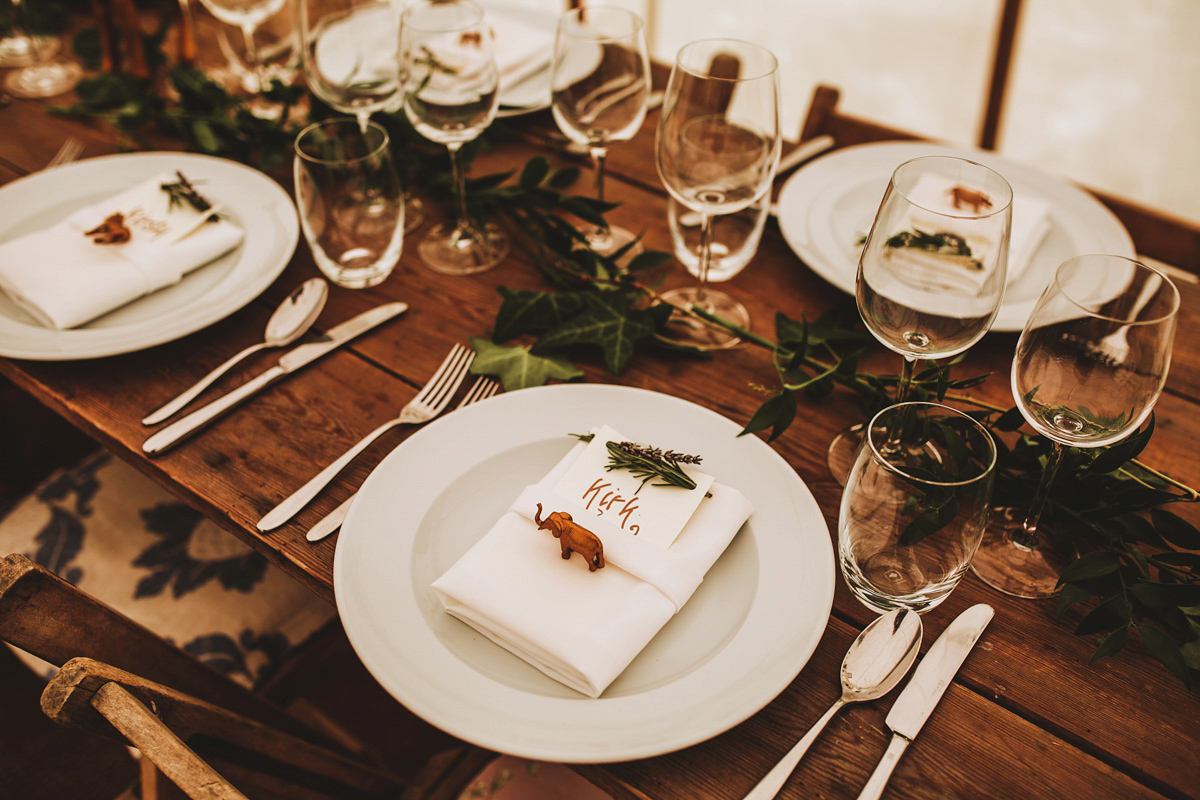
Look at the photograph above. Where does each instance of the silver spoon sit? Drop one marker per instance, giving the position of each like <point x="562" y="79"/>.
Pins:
<point x="294" y="316"/>
<point x="874" y="664"/>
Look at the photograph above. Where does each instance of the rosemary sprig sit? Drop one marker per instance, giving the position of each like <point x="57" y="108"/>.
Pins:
<point x="648" y="463"/>
<point x="182" y="191"/>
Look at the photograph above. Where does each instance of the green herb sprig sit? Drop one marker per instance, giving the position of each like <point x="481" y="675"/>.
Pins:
<point x="648" y="463"/>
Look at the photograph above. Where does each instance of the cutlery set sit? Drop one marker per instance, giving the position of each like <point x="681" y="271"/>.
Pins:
<point x="875" y="663"/>
<point x="290" y="321"/>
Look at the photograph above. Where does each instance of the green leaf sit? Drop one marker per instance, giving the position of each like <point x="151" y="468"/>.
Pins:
<point x="1111" y="644"/>
<point x="1163" y="647"/>
<point x="1091" y="565"/>
<point x="526" y="311"/>
<point x="1156" y="603"/>
<point x="1114" y="611"/>
<point x="1010" y="420"/>
<point x="776" y="413"/>
<point x="1071" y="594"/>
<point x="608" y="322"/>
<point x="517" y="368"/>
<point x="535" y="171"/>
<point x="1175" y="530"/>
<point x="1113" y="457"/>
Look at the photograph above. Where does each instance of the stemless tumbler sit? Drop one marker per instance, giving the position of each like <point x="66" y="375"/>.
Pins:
<point x="350" y="200"/>
<point x="912" y="517"/>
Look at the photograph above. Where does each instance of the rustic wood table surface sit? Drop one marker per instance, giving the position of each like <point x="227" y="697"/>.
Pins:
<point x="1026" y="716"/>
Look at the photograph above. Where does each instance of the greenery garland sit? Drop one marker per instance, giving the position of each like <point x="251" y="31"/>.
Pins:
<point x="1142" y="567"/>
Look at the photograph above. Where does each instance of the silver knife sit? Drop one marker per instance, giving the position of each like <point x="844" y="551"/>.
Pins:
<point x="925" y="688"/>
<point x="330" y="522"/>
<point x="293" y="360"/>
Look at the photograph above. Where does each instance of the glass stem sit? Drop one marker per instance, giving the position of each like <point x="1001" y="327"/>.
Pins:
<point x="706" y="240"/>
<point x="892" y="444"/>
<point x="599" y="239"/>
<point x="1027" y="535"/>
<point x="460" y="188"/>
<point x="254" y="59"/>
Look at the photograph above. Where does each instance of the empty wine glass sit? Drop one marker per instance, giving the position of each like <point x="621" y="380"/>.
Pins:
<point x="717" y="148"/>
<point x="247" y="15"/>
<point x="350" y="54"/>
<point x="932" y="272"/>
<point x="1089" y="366"/>
<point x="450" y="97"/>
<point x="20" y="45"/>
<point x="44" y="75"/>
<point x="600" y="84"/>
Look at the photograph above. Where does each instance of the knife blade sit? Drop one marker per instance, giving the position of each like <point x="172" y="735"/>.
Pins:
<point x="291" y="361"/>
<point x="925" y="688"/>
<point x="330" y="522"/>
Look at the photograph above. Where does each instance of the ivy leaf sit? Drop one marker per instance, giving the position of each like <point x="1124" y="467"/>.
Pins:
<point x="1162" y="647"/>
<point x="527" y="311"/>
<point x="608" y="321"/>
<point x="776" y="413"/>
<point x="517" y="368"/>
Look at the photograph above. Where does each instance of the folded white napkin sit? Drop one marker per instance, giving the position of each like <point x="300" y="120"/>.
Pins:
<point x="62" y="278"/>
<point x="520" y="47"/>
<point x="580" y="627"/>
<point x="1030" y="224"/>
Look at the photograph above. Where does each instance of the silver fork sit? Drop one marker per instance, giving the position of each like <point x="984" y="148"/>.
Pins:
<point x="71" y="149"/>
<point x="428" y="403"/>
<point x="482" y="389"/>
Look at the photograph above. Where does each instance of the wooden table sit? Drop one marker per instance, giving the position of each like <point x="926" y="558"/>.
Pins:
<point x="1027" y="716"/>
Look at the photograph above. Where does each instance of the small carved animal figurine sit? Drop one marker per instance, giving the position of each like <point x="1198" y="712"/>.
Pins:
<point x="962" y="196"/>
<point x="111" y="231"/>
<point x="572" y="537"/>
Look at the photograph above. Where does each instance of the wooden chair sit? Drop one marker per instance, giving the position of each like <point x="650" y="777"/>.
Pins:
<point x="1170" y="240"/>
<point x="48" y="617"/>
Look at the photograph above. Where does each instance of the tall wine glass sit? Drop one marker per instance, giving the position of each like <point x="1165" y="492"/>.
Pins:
<point x="931" y="274"/>
<point x="600" y="84"/>
<point x="717" y="148"/>
<point x="1089" y="366"/>
<point x="21" y="45"/>
<point x="247" y="15"/>
<point x="350" y="54"/>
<point x="44" y="75"/>
<point x="450" y="96"/>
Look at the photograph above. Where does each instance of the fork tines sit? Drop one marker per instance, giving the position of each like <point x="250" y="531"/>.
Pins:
<point x="482" y="389"/>
<point x="445" y="381"/>
<point x="70" y="150"/>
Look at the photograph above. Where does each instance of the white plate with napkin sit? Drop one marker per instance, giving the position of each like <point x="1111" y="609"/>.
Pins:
<point x="739" y="639"/>
<point x="163" y="291"/>
<point x="826" y="208"/>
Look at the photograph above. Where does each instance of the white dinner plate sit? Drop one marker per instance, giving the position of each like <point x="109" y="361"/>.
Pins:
<point x="826" y="207"/>
<point x="251" y="199"/>
<point x="741" y="639"/>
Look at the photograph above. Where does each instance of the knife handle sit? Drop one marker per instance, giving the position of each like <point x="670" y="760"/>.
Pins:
<point x="196" y="420"/>
<point x="883" y="770"/>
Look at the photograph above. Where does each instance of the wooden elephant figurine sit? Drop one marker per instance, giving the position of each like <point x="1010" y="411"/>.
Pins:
<point x="572" y="537"/>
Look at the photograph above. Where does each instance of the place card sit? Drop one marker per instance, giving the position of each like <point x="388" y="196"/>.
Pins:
<point x="636" y="506"/>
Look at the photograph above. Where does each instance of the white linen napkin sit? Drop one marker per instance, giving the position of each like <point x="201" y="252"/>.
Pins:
<point x="62" y="278"/>
<point x="583" y="628"/>
<point x="1030" y="224"/>
<point x="520" y="47"/>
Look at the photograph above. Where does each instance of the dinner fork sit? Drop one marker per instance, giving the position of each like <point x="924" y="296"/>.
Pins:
<point x="71" y="149"/>
<point x="482" y="389"/>
<point x="429" y="402"/>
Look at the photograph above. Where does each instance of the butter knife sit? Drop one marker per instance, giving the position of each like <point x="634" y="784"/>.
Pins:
<point x="293" y="360"/>
<point x="928" y="683"/>
<point x="330" y="522"/>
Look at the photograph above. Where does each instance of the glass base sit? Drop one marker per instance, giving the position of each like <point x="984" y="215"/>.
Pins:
<point x="48" y="79"/>
<point x="1015" y="569"/>
<point x="21" y="51"/>
<point x="607" y="242"/>
<point x="414" y="212"/>
<point x="451" y="250"/>
<point x="687" y="329"/>
<point x="842" y="450"/>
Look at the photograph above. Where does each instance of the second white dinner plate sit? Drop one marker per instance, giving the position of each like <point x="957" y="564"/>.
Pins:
<point x="738" y="642"/>
<point x="827" y="207"/>
<point x="251" y="199"/>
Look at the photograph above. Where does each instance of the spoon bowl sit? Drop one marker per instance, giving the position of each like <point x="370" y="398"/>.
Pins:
<point x="876" y="661"/>
<point x="294" y="316"/>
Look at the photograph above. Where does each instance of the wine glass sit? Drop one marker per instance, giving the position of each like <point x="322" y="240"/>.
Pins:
<point x="20" y="45"/>
<point x="44" y="74"/>
<point x="931" y="274"/>
<point x="1089" y="366"/>
<point x="450" y="96"/>
<point x="247" y="15"/>
<point x="717" y="148"/>
<point x="350" y="54"/>
<point x="600" y="84"/>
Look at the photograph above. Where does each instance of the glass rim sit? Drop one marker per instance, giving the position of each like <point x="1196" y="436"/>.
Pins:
<point x="573" y="15"/>
<point x="902" y="472"/>
<point x="407" y="15"/>
<point x="772" y="60"/>
<point x="383" y="145"/>
<point x="999" y="210"/>
<point x="1073" y="260"/>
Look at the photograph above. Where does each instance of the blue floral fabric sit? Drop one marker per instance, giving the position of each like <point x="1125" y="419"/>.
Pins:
<point x="115" y="534"/>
